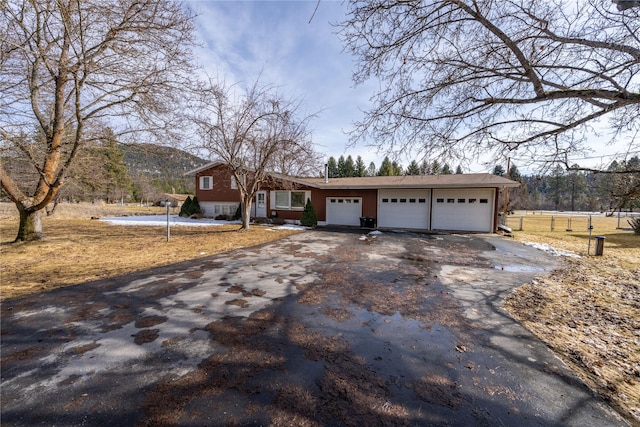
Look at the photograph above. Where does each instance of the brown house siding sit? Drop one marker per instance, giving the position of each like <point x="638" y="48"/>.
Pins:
<point x="369" y="201"/>
<point x="222" y="191"/>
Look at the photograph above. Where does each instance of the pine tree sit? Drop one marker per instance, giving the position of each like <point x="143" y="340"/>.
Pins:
<point x="309" y="217"/>
<point x="349" y="167"/>
<point x="425" y="168"/>
<point x="360" y="168"/>
<point x="341" y="167"/>
<point x="459" y="170"/>
<point x="371" y="170"/>
<point x="413" y="168"/>
<point x="332" y="167"/>
<point x="446" y="169"/>
<point x="386" y="168"/>
<point x="186" y="206"/>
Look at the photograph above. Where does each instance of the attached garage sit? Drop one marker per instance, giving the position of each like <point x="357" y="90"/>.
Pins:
<point x="344" y="210"/>
<point x="463" y="209"/>
<point x="403" y="208"/>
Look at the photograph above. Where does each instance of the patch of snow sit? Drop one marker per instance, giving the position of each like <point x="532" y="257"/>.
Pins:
<point x="363" y="237"/>
<point x="161" y="220"/>
<point x="375" y="233"/>
<point x="290" y="227"/>
<point x="553" y="251"/>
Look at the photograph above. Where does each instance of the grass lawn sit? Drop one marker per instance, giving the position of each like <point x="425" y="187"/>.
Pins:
<point x="78" y="249"/>
<point x="588" y="311"/>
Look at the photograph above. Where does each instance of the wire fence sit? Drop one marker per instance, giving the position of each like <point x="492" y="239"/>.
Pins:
<point x="564" y="222"/>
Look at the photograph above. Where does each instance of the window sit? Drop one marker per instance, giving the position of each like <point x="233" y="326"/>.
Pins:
<point x="297" y="199"/>
<point x="412" y="200"/>
<point x="451" y="200"/>
<point x="484" y="201"/>
<point x="472" y="200"/>
<point x="385" y="200"/>
<point x="290" y="199"/>
<point x="333" y="200"/>
<point x="424" y="200"/>
<point x="461" y="200"/>
<point x="403" y="200"/>
<point x="234" y="183"/>
<point x="340" y="200"/>
<point x="206" y="182"/>
<point x="356" y="200"/>
<point x="437" y="200"/>
<point x="394" y="200"/>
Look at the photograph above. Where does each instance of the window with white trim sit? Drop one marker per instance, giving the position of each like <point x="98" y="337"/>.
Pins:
<point x="206" y="182"/>
<point x="290" y="199"/>
<point x="234" y="183"/>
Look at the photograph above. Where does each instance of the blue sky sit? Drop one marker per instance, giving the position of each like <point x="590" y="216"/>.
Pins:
<point x="275" y="40"/>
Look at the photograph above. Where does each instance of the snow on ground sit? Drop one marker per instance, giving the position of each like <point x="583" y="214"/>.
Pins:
<point x="375" y="233"/>
<point x="161" y="220"/>
<point x="553" y="251"/>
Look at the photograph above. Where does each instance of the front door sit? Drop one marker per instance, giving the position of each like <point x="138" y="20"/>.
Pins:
<point x="261" y="204"/>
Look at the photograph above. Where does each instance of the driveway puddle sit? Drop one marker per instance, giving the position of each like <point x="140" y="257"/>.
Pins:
<point x="519" y="268"/>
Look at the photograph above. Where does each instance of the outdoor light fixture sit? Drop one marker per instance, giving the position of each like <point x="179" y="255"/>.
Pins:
<point x="626" y="4"/>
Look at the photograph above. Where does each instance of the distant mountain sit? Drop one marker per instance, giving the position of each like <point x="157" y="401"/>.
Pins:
<point x="163" y="166"/>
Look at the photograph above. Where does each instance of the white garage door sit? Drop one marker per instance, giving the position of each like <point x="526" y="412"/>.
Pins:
<point x="344" y="210"/>
<point x="403" y="208"/>
<point x="463" y="210"/>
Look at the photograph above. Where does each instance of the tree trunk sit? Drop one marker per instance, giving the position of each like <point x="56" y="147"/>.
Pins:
<point x="30" y="228"/>
<point x="246" y="213"/>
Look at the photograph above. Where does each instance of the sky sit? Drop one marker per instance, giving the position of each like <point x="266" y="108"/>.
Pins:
<point x="293" y="45"/>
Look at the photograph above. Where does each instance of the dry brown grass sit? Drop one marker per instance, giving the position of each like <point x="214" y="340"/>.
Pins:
<point x="80" y="250"/>
<point x="588" y="311"/>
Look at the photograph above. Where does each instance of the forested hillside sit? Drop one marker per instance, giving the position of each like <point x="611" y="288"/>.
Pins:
<point x="110" y="171"/>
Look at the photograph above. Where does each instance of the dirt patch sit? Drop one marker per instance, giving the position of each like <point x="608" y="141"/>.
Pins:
<point x="145" y="336"/>
<point x="149" y="321"/>
<point x="243" y="303"/>
<point x="80" y="349"/>
<point x="590" y="315"/>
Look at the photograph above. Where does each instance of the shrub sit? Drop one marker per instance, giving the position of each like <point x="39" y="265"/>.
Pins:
<point x="186" y="206"/>
<point x="194" y="207"/>
<point x="238" y="213"/>
<point x="635" y="224"/>
<point x="309" y="217"/>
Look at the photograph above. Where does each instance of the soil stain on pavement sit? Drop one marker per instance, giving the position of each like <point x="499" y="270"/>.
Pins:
<point x="321" y="328"/>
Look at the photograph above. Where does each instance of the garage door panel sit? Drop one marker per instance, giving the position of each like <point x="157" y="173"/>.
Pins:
<point x="463" y="209"/>
<point x="344" y="210"/>
<point x="403" y="208"/>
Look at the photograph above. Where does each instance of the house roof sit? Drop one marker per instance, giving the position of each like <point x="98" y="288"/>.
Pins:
<point x="204" y="167"/>
<point x="467" y="180"/>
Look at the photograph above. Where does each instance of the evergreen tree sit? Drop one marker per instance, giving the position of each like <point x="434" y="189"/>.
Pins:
<point x="371" y="170"/>
<point x="194" y="207"/>
<point x="332" y="167"/>
<point x="397" y="168"/>
<point x="413" y="168"/>
<point x="446" y="169"/>
<point x="459" y="170"/>
<point x="309" y="217"/>
<point x="557" y="186"/>
<point x="341" y="167"/>
<point x="425" y="168"/>
<point x="576" y="186"/>
<point x="499" y="170"/>
<point x="435" y="168"/>
<point x="386" y="169"/>
<point x="360" y="168"/>
<point x="349" y="167"/>
<point x="185" y="208"/>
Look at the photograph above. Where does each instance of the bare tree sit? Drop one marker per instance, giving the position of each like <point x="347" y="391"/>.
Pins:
<point x="257" y="133"/>
<point x="70" y="67"/>
<point x="463" y="78"/>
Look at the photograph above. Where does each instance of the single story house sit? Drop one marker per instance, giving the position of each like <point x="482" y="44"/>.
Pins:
<point x="460" y="202"/>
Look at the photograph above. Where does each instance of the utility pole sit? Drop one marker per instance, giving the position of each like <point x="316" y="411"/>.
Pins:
<point x="505" y="202"/>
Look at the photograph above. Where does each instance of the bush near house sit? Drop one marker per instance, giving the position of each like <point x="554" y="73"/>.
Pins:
<point x="309" y="217"/>
<point x="190" y="207"/>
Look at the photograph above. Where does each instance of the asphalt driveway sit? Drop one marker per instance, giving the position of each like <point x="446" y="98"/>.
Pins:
<point x="321" y="328"/>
